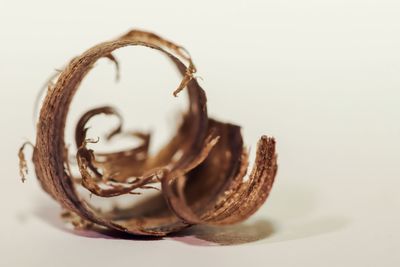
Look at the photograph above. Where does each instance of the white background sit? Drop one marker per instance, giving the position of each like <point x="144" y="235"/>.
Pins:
<point x="322" y="77"/>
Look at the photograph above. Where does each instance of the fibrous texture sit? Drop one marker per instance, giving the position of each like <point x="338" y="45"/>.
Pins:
<point x="201" y="169"/>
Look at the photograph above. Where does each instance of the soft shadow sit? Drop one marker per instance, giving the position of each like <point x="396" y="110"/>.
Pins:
<point x="291" y="211"/>
<point x="204" y="235"/>
<point x="199" y="235"/>
<point x="50" y="214"/>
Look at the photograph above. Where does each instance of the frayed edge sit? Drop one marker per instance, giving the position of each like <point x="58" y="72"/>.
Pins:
<point x="23" y="166"/>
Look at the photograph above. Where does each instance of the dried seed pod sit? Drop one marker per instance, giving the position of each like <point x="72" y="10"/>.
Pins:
<point x="200" y="169"/>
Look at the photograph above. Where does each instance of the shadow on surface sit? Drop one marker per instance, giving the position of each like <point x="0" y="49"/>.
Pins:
<point x="201" y="235"/>
<point x="50" y="214"/>
<point x="204" y="235"/>
<point x="293" y="210"/>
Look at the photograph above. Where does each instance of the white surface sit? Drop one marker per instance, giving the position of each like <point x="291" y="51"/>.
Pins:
<point x="323" y="77"/>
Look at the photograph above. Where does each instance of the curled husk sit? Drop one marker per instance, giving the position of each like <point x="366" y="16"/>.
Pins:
<point x="200" y="170"/>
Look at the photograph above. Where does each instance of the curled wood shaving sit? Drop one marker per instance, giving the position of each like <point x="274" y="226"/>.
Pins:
<point x="200" y="170"/>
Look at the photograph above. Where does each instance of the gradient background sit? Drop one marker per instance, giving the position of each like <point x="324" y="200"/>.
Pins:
<point x="322" y="77"/>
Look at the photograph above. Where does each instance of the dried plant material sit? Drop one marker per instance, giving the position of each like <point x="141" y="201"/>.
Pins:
<point x="23" y="166"/>
<point x="200" y="170"/>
